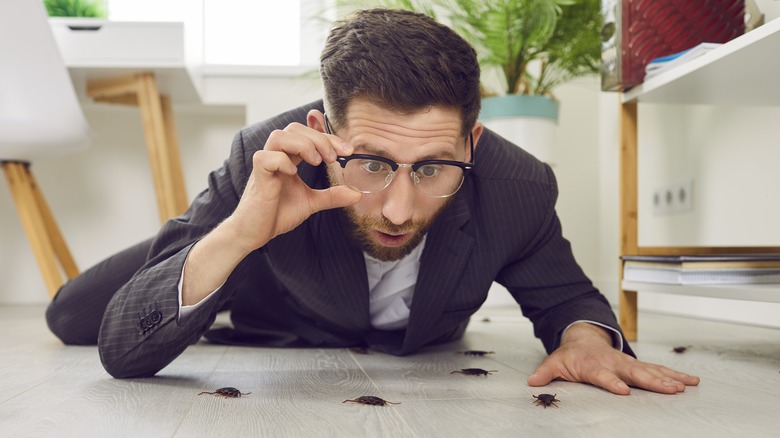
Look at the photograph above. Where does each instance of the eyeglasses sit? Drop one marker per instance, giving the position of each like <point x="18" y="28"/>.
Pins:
<point x="371" y="173"/>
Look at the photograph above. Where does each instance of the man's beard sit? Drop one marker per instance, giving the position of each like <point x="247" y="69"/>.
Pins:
<point x="361" y="227"/>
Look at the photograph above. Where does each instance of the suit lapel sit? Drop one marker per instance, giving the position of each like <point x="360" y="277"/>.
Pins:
<point x="344" y="271"/>
<point x="447" y="249"/>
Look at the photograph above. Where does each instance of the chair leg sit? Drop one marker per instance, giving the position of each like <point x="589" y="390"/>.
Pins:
<point x="45" y="238"/>
<point x="53" y="231"/>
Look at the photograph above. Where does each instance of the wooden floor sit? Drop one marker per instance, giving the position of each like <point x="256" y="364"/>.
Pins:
<point x="49" y="390"/>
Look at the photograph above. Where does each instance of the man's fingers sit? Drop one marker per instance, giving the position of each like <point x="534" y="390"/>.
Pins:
<point x="658" y="378"/>
<point x="328" y="146"/>
<point x="334" y="197"/>
<point x="685" y="379"/>
<point x="297" y="146"/>
<point x="611" y="382"/>
<point x="272" y="161"/>
<point x="302" y="142"/>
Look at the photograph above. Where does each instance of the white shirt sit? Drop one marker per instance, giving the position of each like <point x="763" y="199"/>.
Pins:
<point x="391" y="286"/>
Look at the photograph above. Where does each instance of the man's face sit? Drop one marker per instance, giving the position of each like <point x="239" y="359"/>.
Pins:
<point x="389" y="224"/>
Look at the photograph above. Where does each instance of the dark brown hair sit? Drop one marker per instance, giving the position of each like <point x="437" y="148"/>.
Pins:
<point x="401" y="61"/>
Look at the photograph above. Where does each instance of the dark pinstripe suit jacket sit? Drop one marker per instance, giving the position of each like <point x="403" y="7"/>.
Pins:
<point x="309" y="287"/>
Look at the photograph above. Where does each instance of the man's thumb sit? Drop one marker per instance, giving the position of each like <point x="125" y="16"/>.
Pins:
<point x="334" y="197"/>
<point x="542" y="376"/>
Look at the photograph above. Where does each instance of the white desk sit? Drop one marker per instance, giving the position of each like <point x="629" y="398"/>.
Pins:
<point x="144" y="64"/>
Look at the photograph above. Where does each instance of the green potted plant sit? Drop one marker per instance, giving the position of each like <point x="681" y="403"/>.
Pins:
<point x="75" y="8"/>
<point x="526" y="48"/>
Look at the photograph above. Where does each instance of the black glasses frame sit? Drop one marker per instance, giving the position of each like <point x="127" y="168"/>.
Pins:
<point x="466" y="166"/>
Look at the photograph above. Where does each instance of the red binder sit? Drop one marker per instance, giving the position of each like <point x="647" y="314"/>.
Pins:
<point x="638" y="31"/>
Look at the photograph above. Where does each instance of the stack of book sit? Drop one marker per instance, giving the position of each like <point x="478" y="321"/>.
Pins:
<point x="660" y="65"/>
<point x="703" y="269"/>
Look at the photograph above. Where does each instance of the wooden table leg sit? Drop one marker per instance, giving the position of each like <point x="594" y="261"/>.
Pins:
<point x="159" y="131"/>
<point x="180" y="201"/>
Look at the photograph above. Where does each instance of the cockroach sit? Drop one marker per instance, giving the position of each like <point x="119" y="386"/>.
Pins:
<point x="475" y="353"/>
<point x="371" y="400"/>
<point x="474" y="372"/>
<point x="227" y="392"/>
<point x="546" y="400"/>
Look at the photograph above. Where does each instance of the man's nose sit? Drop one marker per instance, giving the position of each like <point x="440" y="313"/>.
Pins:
<point x="398" y="206"/>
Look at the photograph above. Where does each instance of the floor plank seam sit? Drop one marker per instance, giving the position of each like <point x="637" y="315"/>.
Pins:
<point x="203" y="388"/>
<point x="398" y="415"/>
<point x="30" y="388"/>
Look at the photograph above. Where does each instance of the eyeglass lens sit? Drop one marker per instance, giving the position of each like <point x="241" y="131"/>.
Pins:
<point x="371" y="176"/>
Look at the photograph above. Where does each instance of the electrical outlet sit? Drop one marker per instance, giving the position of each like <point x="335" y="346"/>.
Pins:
<point x="673" y="198"/>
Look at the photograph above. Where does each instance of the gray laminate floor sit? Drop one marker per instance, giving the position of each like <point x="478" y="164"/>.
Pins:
<point x="49" y="390"/>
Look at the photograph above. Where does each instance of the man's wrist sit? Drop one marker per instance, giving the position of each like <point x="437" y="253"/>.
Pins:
<point x="209" y="263"/>
<point x="583" y="330"/>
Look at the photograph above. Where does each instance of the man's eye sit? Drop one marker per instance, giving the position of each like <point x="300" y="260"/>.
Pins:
<point x="428" y="171"/>
<point x="373" y="166"/>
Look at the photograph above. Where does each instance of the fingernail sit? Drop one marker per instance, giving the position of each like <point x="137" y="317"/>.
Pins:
<point x="622" y="385"/>
<point x="669" y="383"/>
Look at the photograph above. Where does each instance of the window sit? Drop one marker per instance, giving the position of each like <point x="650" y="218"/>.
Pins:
<point x="240" y="32"/>
<point x="252" y="32"/>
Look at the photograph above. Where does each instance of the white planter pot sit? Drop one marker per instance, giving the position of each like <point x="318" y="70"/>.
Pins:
<point x="527" y="121"/>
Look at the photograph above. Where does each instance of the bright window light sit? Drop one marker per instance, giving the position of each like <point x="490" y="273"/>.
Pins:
<point x="246" y="32"/>
<point x="150" y="10"/>
<point x="235" y="32"/>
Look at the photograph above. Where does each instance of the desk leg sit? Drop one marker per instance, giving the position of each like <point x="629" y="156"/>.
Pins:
<point x="628" y="314"/>
<point x="159" y="132"/>
<point x="45" y="237"/>
<point x="181" y="203"/>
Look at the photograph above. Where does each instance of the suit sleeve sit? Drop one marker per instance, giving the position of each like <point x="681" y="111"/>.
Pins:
<point x="549" y="285"/>
<point x="140" y="333"/>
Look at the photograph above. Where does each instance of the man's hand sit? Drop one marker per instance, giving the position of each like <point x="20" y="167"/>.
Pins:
<point x="275" y="201"/>
<point x="586" y="355"/>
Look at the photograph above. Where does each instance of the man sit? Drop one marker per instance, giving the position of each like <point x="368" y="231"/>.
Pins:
<point x="380" y="217"/>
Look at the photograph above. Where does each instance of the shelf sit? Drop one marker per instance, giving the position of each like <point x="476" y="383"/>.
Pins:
<point x="746" y="292"/>
<point x="718" y="77"/>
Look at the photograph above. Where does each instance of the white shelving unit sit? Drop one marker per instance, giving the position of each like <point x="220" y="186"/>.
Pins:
<point x="768" y="293"/>
<point x="744" y="71"/>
